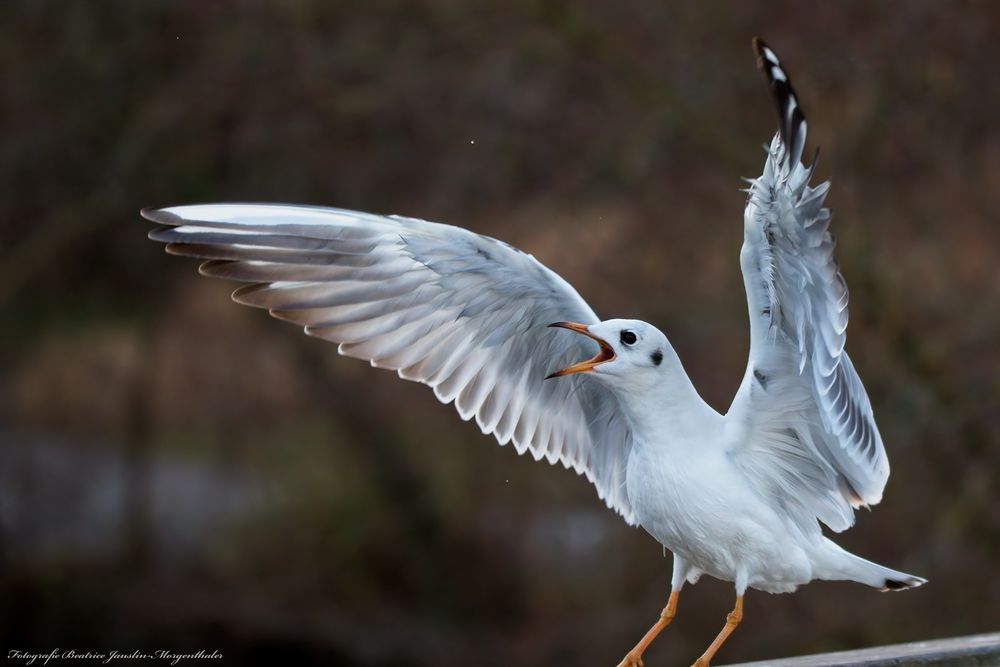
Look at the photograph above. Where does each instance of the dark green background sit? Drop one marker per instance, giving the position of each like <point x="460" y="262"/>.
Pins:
<point x="179" y="472"/>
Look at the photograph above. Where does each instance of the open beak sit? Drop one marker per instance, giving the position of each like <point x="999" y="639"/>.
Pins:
<point x="606" y="353"/>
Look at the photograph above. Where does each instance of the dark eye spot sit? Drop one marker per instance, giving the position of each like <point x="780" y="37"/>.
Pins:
<point x="628" y="337"/>
<point x="657" y="358"/>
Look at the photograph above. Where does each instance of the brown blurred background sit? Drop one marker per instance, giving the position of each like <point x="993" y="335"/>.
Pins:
<point x="179" y="472"/>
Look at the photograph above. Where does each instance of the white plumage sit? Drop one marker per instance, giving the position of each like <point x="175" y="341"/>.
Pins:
<point x="738" y="496"/>
<point x="462" y="313"/>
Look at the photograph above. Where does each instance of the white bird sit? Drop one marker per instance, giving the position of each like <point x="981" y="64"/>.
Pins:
<point x="738" y="496"/>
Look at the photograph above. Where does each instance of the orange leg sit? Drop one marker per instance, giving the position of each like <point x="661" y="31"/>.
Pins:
<point x="634" y="657"/>
<point x="732" y="620"/>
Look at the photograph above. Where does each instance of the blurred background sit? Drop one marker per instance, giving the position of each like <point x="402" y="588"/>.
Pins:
<point x="179" y="472"/>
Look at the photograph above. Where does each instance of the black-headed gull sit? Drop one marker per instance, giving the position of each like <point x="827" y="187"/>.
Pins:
<point x="738" y="496"/>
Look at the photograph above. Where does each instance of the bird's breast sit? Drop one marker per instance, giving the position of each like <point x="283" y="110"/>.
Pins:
<point x="691" y="499"/>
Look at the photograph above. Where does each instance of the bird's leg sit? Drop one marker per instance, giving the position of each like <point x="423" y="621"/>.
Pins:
<point x="634" y="657"/>
<point x="732" y="620"/>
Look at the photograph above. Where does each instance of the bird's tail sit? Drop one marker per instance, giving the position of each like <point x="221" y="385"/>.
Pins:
<point x="843" y="565"/>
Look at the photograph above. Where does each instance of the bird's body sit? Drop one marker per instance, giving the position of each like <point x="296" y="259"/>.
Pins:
<point x="688" y="493"/>
<point x="701" y="509"/>
<point x="740" y="496"/>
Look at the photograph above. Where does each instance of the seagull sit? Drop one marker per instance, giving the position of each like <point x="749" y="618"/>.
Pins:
<point x="739" y="496"/>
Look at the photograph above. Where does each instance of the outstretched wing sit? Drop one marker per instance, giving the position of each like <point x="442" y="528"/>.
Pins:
<point x="462" y="313"/>
<point x="810" y="436"/>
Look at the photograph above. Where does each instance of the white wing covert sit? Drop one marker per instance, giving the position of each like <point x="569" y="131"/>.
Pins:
<point x="811" y="438"/>
<point x="462" y="313"/>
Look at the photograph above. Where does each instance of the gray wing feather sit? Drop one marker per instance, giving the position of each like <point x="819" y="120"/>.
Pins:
<point x="811" y="434"/>
<point x="462" y="313"/>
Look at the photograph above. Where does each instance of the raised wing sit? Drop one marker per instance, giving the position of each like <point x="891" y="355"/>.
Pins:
<point x="810" y="434"/>
<point x="462" y="313"/>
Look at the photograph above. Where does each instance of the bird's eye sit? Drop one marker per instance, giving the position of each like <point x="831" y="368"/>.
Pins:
<point x="628" y="337"/>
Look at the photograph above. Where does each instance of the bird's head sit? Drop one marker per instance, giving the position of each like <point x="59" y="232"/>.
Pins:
<point x="632" y="354"/>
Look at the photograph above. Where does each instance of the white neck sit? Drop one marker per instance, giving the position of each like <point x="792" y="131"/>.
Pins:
<point x="670" y="408"/>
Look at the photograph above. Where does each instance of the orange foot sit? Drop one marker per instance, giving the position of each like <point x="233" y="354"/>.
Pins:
<point x="732" y="620"/>
<point x="631" y="660"/>
<point x="634" y="657"/>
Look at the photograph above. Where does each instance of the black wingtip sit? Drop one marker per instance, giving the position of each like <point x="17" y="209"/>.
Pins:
<point x="903" y="584"/>
<point x="762" y="51"/>
<point x="791" y="119"/>
<point x="767" y="60"/>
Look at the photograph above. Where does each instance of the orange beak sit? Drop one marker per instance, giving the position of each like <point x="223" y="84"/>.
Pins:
<point x="606" y="353"/>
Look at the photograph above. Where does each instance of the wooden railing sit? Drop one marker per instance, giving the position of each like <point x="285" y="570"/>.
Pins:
<point x="977" y="650"/>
